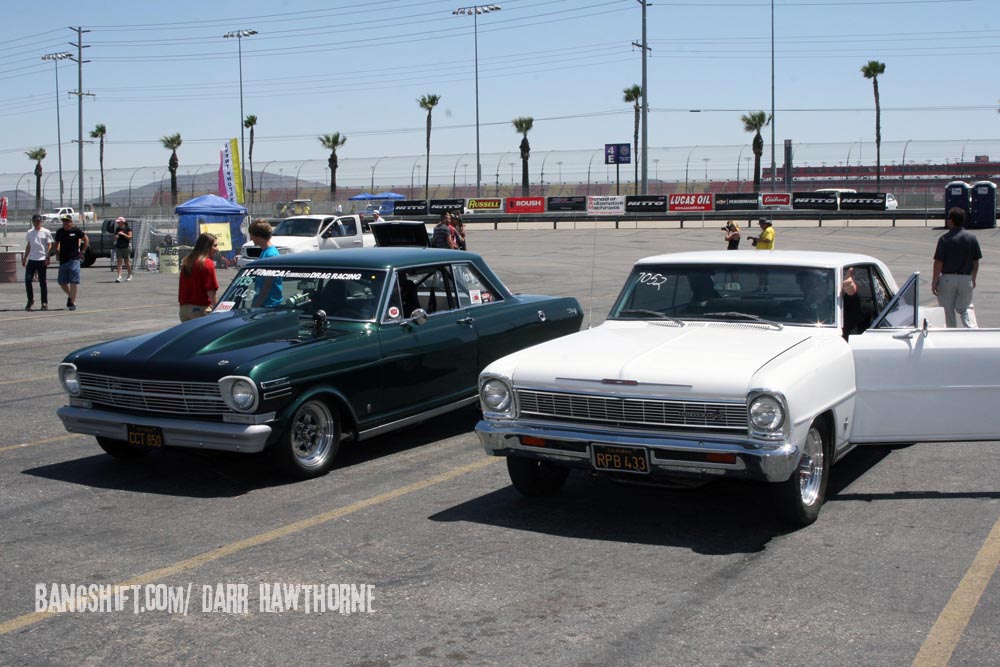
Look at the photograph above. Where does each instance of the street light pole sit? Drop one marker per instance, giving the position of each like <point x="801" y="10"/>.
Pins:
<point x="55" y="58"/>
<point x="239" y="35"/>
<point x="476" y="10"/>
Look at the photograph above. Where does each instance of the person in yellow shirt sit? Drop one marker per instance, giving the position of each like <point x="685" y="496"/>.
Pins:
<point x="765" y="241"/>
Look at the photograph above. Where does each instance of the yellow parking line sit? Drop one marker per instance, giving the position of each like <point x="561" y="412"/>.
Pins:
<point x="50" y="376"/>
<point x="263" y="538"/>
<point x="951" y="622"/>
<point x="6" y="448"/>
<point x="62" y="311"/>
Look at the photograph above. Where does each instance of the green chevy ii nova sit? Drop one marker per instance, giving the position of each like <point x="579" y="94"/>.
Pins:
<point x="305" y="351"/>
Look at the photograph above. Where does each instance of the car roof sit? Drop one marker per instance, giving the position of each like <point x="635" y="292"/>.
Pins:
<point x="809" y="258"/>
<point x="368" y="258"/>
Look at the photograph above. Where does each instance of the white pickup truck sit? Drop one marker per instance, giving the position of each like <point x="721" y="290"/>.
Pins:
<point x="55" y="216"/>
<point x="303" y="233"/>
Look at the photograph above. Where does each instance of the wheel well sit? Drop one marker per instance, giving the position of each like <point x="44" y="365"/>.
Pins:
<point x="827" y="424"/>
<point x="337" y="404"/>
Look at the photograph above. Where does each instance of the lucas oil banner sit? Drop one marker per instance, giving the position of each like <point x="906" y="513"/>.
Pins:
<point x="230" y="174"/>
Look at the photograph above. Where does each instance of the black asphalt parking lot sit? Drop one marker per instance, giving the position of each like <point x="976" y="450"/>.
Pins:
<point x="457" y="567"/>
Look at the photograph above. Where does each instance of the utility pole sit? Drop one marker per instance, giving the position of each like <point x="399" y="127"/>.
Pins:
<point x="80" y="46"/>
<point x="645" y="100"/>
<point x="774" y="163"/>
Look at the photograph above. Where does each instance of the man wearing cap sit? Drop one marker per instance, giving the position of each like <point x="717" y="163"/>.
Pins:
<point x="766" y="239"/>
<point x="123" y="247"/>
<point x="71" y="242"/>
<point x="36" y="260"/>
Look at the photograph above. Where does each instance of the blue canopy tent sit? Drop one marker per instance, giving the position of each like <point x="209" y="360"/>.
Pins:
<point x="211" y="209"/>
<point x="388" y="195"/>
<point x="383" y="201"/>
<point x="364" y="196"/>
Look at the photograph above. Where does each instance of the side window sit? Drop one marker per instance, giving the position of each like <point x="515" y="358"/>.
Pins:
<point x="431" y="288"/>
<point x="473" y="289"/>
<point x="861" y="309"/>
<point x="350" y="227"/>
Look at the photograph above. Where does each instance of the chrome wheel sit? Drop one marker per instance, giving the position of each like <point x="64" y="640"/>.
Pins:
<point x="811" y="468"/>
<point x="799" y="498"/>
<point x="313" y="434"/>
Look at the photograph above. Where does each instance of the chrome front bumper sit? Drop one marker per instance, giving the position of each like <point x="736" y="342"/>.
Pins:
<point x="226" y="437"/>
<point x="772" y="464"/>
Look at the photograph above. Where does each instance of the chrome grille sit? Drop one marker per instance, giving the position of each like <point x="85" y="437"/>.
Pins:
<point x="638" y="412"/>
<point x="191" y="398"/>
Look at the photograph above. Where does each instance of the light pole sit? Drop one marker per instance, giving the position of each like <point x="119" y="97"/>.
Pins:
<point x="559" y="163"/>
<point x="55" y="58"/>
<point x="239" y="35"/>
<point x="475" y="11"/>
<point x="706" y="168"/>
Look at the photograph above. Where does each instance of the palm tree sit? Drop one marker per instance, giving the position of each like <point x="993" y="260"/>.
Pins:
<point x="37" y="155"/>
<point x="172" y="142"/>
<point x="523" y="125"/>
<point x="633" y="94"/>
<point x="872" y="71"/>
<point x="428" y="102"/>
<point x="249" y="123"/>
<point x="98" y="133"/>
<point x="332" y="142"/>
<point x="755" y="121"/>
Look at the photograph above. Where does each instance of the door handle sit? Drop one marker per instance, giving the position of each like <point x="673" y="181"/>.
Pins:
<point x="906" y="335"/>
<point x="466" y="321"/>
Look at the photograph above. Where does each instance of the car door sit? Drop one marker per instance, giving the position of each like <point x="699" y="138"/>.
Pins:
<point x="432" y="363"/>
<point x="917" y="383"/>
<point x="331" y="235"/>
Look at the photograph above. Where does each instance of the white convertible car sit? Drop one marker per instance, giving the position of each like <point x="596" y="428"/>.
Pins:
<point x="744" y="364"/>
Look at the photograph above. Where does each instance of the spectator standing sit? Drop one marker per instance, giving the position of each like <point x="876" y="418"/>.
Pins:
<point x="956" y="263"/>
<point x="456" y="218"/>
<point x="377" y="216"/>
<point x="71" y="243"/>
<point x="765" y="241"/>
<point x="36" y="260"/>
<point x="732" y="237"/>
<point x="269" y="290"/>
<point x="443" y="237"/>
<point x="198" y="283"/>
<point x="123" y="248"/>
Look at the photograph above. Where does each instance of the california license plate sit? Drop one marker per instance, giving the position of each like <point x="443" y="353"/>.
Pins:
<point x="144" y="437"/>
<point x="620" y="458"/>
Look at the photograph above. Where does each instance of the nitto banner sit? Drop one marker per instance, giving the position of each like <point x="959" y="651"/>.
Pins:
<point x="484" y="204"/>
<point x="824" y="201"/>
<point x="646" y="204"/>
<point x="410" y="207"/>
<point x="439" y="206"/>
<point x="606" y="205"/>
<point x="567" y="203"/>
<point x="526" y="204"/>
<point x="743" y="201"/>
<point x="690" y="202"/>
<point x="862" y="201"/>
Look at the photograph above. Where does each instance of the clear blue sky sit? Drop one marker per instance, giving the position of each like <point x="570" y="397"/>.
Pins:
<point x="358" y="67"/>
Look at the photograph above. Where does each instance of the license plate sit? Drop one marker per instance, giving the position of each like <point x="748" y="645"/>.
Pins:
<point x="144" y="437"/>
<point x="617" y="458"/>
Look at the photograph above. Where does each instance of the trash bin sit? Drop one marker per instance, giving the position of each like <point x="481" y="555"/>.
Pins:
<point x="957" y="194"/>
<point x="8" y="267"/>
<point x="983" y="205"/>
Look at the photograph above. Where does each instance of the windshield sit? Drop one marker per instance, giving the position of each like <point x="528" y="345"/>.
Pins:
<point x="345" y="294"/>
<point x="297" y="227"/>
<point x="778" y="294"/>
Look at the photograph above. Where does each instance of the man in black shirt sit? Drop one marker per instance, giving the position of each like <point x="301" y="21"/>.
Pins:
<point x="956" y="263"/>
<point x="71" y="243"/>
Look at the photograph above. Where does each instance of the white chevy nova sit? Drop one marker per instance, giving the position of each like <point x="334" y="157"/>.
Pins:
<point x="745" y="364"/>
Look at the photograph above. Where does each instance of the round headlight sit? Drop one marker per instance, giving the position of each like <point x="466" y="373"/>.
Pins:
<point x="242" y="394"/>
<point x="70" y="380"/>
<point x="766" y="413"/>
<point x="496" y="395"/>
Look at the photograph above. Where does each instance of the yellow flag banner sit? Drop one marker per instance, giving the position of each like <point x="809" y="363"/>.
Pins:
<point x="230" y="173"/>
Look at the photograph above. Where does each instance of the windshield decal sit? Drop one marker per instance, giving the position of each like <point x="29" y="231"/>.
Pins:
<point x="306" y="275"/>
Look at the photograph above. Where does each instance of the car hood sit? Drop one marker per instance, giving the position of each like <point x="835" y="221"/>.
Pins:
<point x="698" y="360"/>
<point x="206" y="348"/>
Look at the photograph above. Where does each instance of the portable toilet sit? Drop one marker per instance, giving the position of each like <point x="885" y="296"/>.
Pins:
<point x="956" y="194"/>
<point x="983" y="205"/>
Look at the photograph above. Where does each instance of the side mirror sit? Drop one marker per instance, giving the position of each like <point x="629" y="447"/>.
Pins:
<point x="418" y="316"/>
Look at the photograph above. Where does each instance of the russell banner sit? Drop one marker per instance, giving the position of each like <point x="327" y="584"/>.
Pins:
<point x="495" y="204"/>
<point x="690" y="202"/>
<point x="646" y="204"/>
<point x="230" y="174"/>
<point x="525" y="204"/>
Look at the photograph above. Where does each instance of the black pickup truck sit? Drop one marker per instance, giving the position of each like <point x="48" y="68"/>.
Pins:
<point x="102" y="239"/>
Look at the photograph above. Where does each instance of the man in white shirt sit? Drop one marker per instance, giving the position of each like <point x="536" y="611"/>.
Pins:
<point x="36" y="260"/>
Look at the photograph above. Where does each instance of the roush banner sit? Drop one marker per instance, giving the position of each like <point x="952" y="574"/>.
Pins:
<point x="525" y="204"/>
<point x="741" y="201"/>
<point x="824" y="201"/>
<point x="439" y="206"/>
<point x="410" y="207"/>
<point x="690" y="202"/>
<point x="485" y="204"/>
<point x="646" y="204"/>
<point x="776" y="199"/>
<point x="606" y="205"/>
<point x="862" y="201"/>
<point x="567" y="203"/>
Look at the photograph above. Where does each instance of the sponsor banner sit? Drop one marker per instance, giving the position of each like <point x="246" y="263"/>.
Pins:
<point x="606" y="205"/>
<point x="646" y="204"/>
<point x="410" y="207"/>
<point x="825" y="201"/>
<point x="230" y="175"/>
<point x="485" y="204"/>
<point x="769" y="199"/>
<point x="439" y="206"/>
<point x="862" y="201"/>
<point x="525" y="204"/>
<point x="741" y="201"/>
<point x="567" y="203"/>
<point x="690" y="202"/>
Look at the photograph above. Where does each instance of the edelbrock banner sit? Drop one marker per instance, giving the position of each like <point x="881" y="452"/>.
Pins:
<point x="740" y="201"/>
<point x="646" y="203"/>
